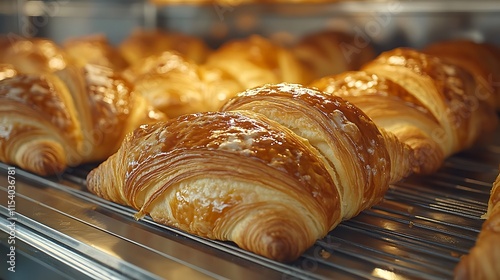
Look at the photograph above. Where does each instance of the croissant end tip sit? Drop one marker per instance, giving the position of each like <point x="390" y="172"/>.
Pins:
<point x="281" y="238"/>
<point x="280" y="250"/>
<point x="47" y="158"/>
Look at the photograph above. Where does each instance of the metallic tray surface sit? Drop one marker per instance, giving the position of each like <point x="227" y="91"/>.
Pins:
<point x="419" y="231"/>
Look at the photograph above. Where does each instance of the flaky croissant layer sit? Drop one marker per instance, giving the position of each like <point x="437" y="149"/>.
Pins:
<point x="349" y="141"/>
<point x="229" y="176"/>
<point x="482" y="261"/>
<point x="427" y="102"/>
<point x="252" y="179"/>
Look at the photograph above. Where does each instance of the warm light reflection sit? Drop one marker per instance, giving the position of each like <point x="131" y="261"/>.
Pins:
<point x="385" y="274"/>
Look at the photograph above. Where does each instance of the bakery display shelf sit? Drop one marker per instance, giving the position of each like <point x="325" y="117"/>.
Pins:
<point x="114" y="8"/>
<point x="420" y="230"/>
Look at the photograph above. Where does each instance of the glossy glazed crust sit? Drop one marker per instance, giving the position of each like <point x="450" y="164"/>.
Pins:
<point x="249" y="177"/>
<point x="114" y="109"/>
<point x="481" y="59"/>
<point x="393" y="108"/>
<point x="358" y="153"/>
<point x="448" y="92"/>
<point x="482" y="261"/>
<point x="435" y="97"/>
<point x="230" y="176"/>
<point x="142" y="43"/>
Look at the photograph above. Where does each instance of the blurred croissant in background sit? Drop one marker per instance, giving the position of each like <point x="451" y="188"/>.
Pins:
<point x="95" y="49"/>
<point x="175" y="85"/>
<point x="142" y="43"/>
<point x="57" y="113"/>
<point x="332" y="52"/>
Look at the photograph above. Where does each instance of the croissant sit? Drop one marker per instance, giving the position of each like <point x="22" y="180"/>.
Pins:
<point x="34" y="55"/>
<point x="169" y="81"/>
<point x="332" y="52"/>
<point x="242" y="176"/>
<point x="219" y="86"/>
<point x="426" y="102"/>
<point x="482" y="260"/>
<point x="481" y="59"/>
<point x="142" y="43"/>
<point x="176" y="85"/>
<point x="317" y="119"/>
<point x="94" y="49"/>
<point x="255" y="61"/>
<point x="64" y="118"/>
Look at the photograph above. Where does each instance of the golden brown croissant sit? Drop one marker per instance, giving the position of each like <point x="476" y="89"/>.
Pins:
<point x="142" y="43"/>
<point x="219" y="86"/>
<point x="169" y="81"/>
<point x="94" y="49"/>
<point x="40" y="130"/>
<point x="244" y="177"/>
<point x="75" y="115"/>
<point x="332" y="52"/>
<point x="176" y="85"/>
<point x="426" y="102"/>
<point x="255" y="61"/>
<point x="316" y="117"/>
<point x="480" y="59"/>
<point x="482" y="261"/>
<point x="34" y="55"/>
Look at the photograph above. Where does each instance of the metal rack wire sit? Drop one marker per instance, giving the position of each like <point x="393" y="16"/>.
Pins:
<point x="419" y="231"/>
